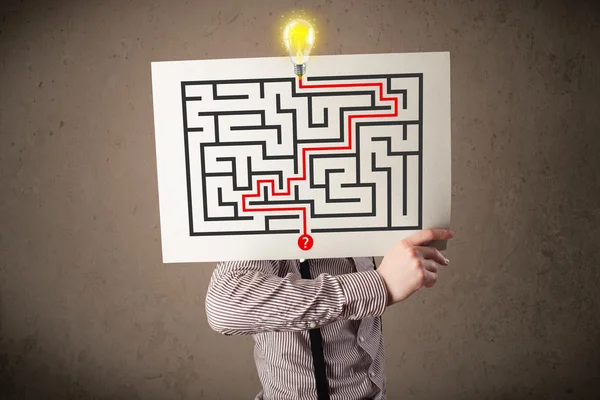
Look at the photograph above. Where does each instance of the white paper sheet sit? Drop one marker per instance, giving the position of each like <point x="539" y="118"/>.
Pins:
<point x="254" y="164"/>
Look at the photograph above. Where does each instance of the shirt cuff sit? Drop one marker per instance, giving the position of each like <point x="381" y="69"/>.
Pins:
<point x="365" y="294"/>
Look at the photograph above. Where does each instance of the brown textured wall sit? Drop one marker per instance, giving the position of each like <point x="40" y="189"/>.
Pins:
<point x="87" y="309"/>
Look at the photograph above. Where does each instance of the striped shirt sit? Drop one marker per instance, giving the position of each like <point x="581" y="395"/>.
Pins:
<point x="270" y="300"/>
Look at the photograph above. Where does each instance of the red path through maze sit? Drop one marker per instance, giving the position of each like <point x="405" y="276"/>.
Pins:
<point x="305" y="241"/>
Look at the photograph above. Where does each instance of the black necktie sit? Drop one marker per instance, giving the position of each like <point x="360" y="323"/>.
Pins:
<point x="316" y="346"/>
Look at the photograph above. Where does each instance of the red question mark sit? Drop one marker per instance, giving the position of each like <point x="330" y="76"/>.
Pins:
<point x="305" y="242"/>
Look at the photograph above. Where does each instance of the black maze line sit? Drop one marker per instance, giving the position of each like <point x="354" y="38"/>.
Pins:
<point x="308" y="95"/>
<point x="366" y="229"/>
<point x="204" y="174"/>
<point x="268" y="219"/>
<point x="311" y="203"/>
<point x="278" y="129"/>
<point x="292" y="112"/>
<point x="313" y="185"/>
<point x="234" y="205"/>
<point x="292" y="81"/>
<point x="314" y="230"/>
<point x="250" y="173"/>
<point x="216" y="96"/>
<point x="311" y="158"/>
<point x="267" y="200"/>
<point x="404" y="155"/>
<point x="388" y="139"/>
<point x="355" y="93"/>
<point x="342" y="137"/>
<point x="260" y="127"/>
<point x="295" y="92"/>
<point x="388" y="172"/>
<point x="328" y="198"/>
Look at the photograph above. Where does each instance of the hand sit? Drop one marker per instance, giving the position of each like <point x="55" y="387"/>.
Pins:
<point x="410" y="264"/>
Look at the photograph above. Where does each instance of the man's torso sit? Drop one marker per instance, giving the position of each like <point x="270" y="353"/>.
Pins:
<point x="353" y="349"/>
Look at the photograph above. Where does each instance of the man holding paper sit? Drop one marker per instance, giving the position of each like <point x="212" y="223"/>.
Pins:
<point x="321" y="336"/>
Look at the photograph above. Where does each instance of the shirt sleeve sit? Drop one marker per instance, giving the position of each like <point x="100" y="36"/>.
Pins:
<point x="248" y="297"/>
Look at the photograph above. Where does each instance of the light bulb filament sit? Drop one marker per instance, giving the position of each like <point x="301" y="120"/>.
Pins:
<point x="299" y="38"/>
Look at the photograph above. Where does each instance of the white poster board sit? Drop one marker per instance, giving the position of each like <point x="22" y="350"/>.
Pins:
<point x="254" y="163"/>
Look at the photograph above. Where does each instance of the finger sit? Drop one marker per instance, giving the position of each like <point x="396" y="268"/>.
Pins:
<point x="431" y="253"/>
<point x="430" y="279"/>
<point x="427" y="235"/>
<point x="430" y="266"/>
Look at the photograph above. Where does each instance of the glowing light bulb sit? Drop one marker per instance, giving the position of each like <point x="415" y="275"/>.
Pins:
<point x="299" y="38"/>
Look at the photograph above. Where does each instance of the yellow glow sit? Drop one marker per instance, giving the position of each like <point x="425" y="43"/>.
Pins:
<point x="299" y="38"/>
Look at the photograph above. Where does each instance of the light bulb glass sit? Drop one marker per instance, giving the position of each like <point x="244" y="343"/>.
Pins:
<point x="299" y="38"/>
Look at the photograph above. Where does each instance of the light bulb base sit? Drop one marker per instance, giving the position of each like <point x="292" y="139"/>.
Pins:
<point x="300" y="69"/>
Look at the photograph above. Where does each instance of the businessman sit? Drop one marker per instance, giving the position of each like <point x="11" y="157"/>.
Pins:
<point x="317" y="323"/>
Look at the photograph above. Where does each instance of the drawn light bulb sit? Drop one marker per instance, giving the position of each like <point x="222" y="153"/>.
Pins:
<point x="299" y="38"/>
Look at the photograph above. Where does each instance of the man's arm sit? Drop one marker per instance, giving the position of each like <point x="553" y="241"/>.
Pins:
<point x="247" y="297"/>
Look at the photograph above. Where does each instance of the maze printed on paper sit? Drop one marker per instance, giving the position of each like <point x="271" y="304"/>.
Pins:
<point x="283" y="156"/>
